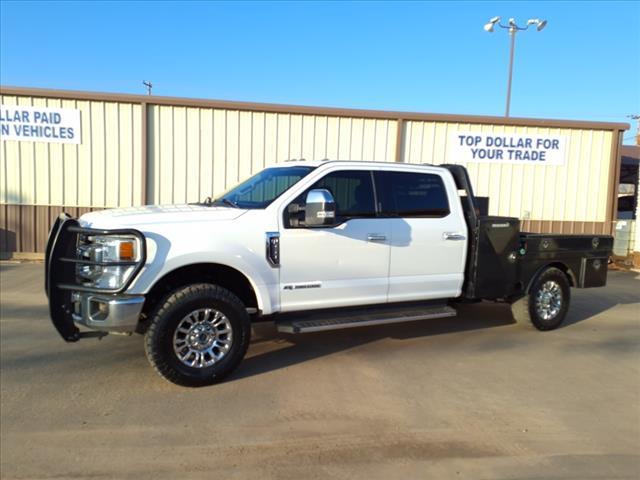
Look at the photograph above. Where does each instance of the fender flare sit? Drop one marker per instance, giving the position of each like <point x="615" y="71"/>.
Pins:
<point x="573" y="281"/>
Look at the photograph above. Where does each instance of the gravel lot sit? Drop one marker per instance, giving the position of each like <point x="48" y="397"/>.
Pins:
<point x="473" y="397"/>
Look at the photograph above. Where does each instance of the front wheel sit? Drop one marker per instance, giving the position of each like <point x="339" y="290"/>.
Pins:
<point x="198" y="335"/>
<point x="547" y="303"/>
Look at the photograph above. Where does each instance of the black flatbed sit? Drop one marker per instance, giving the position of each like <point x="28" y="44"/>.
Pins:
<point x="502" y="261"/>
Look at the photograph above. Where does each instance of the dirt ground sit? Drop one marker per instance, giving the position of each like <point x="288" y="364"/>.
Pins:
<point x="475" y="397"/>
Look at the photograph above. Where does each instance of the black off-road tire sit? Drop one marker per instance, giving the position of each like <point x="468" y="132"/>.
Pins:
<point x="166" y="318"/>
<point x="524" y="309"/>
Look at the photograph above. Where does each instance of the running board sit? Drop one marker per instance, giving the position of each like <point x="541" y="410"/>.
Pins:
<point x="340" y="319"/>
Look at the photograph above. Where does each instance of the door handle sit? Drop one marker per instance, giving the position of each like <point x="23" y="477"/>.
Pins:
<point x="374" y="237"/>
<point x="453" y="236"/>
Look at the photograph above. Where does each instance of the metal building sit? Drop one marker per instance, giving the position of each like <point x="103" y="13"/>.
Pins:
<point x="79" y="151"/>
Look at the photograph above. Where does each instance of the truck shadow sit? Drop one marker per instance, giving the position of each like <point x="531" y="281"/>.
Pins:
<point x="622" y="289"/>
<point x="271" y="350"/>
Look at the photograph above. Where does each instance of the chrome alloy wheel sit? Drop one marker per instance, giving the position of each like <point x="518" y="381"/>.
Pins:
<point x="548" y="300"/>
<point x="202" y="338"/>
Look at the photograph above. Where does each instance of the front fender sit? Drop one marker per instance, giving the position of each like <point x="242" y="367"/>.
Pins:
<point x="163" y="258"/>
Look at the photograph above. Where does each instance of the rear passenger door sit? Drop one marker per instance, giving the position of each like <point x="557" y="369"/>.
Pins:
<point x="428" y="235"/>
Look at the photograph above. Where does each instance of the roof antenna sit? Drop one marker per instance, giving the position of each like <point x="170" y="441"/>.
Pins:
<point x="149" y="86"/>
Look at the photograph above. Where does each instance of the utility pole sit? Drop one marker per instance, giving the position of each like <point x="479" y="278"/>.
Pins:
<point x="149" y="86"/>
<point x="637" y="119"/>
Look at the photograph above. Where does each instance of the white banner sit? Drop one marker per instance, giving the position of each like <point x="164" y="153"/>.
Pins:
<point x="40" y="124"/>
<point x="506" y="148"/>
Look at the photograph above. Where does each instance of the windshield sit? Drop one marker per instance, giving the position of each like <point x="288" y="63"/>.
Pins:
<point x="263" y="188"/>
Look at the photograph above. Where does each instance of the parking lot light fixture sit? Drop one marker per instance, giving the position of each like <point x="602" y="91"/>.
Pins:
<point x="491" y="24"/>
<point x="513" y="28"/>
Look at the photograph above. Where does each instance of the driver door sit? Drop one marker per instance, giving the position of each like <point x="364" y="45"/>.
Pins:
<point x="342" y="265"/>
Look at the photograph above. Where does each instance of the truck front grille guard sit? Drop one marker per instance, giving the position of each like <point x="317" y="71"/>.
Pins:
<point x="60" y="270"/>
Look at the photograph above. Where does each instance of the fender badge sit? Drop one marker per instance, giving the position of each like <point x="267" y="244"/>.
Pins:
<point x="301" y="286"/>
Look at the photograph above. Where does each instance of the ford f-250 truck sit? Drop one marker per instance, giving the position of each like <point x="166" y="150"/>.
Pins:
<point x="312" y="246"/>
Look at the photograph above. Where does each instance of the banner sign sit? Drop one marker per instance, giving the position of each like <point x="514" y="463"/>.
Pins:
<point x="506" y="148"/>
<point x="40" y="124"/>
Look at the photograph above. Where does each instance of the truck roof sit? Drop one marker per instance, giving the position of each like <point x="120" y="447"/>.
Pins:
<point x="318" y="163"/>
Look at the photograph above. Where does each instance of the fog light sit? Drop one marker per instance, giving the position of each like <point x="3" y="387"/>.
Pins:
<point x="98" y="310"/>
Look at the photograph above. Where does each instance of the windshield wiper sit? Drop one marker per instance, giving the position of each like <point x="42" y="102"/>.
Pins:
<point x="226" y="201"/>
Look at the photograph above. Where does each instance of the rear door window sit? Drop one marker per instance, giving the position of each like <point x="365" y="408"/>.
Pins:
<point x="411" y="194"/>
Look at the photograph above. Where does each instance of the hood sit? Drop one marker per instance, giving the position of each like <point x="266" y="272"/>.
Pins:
<point x="138" y="217"/>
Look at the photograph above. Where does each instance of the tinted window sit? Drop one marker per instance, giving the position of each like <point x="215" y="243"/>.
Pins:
<point x="409" y="194"/>
<point x="352" y="191"/>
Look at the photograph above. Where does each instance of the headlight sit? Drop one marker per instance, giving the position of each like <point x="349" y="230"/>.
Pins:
<point x="111" y="259"/>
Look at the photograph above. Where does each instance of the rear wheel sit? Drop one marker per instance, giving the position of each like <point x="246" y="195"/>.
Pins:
<point x="547" y="303"/>
<point x="198" y="335"/>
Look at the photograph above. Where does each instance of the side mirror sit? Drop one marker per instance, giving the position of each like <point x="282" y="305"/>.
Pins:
<point x="320" y="209"/>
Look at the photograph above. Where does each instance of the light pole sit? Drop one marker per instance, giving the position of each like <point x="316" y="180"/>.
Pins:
<point x="513" y="29"/>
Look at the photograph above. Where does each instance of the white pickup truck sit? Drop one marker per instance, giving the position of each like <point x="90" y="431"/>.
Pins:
<point x="312" y="246"/>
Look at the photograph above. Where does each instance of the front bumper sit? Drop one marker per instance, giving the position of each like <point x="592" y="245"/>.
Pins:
<point x="107" y="313"/>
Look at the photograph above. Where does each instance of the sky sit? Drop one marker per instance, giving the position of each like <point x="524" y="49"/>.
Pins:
<point x="404" y="56"/>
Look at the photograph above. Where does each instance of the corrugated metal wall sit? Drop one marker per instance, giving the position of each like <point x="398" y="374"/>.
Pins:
<point x="105" y="170"/>
<point x="575" y="191"/>
<point x="195" y="149"/>
<point x="24" y="228"/>
<point x="196" y="152"/>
